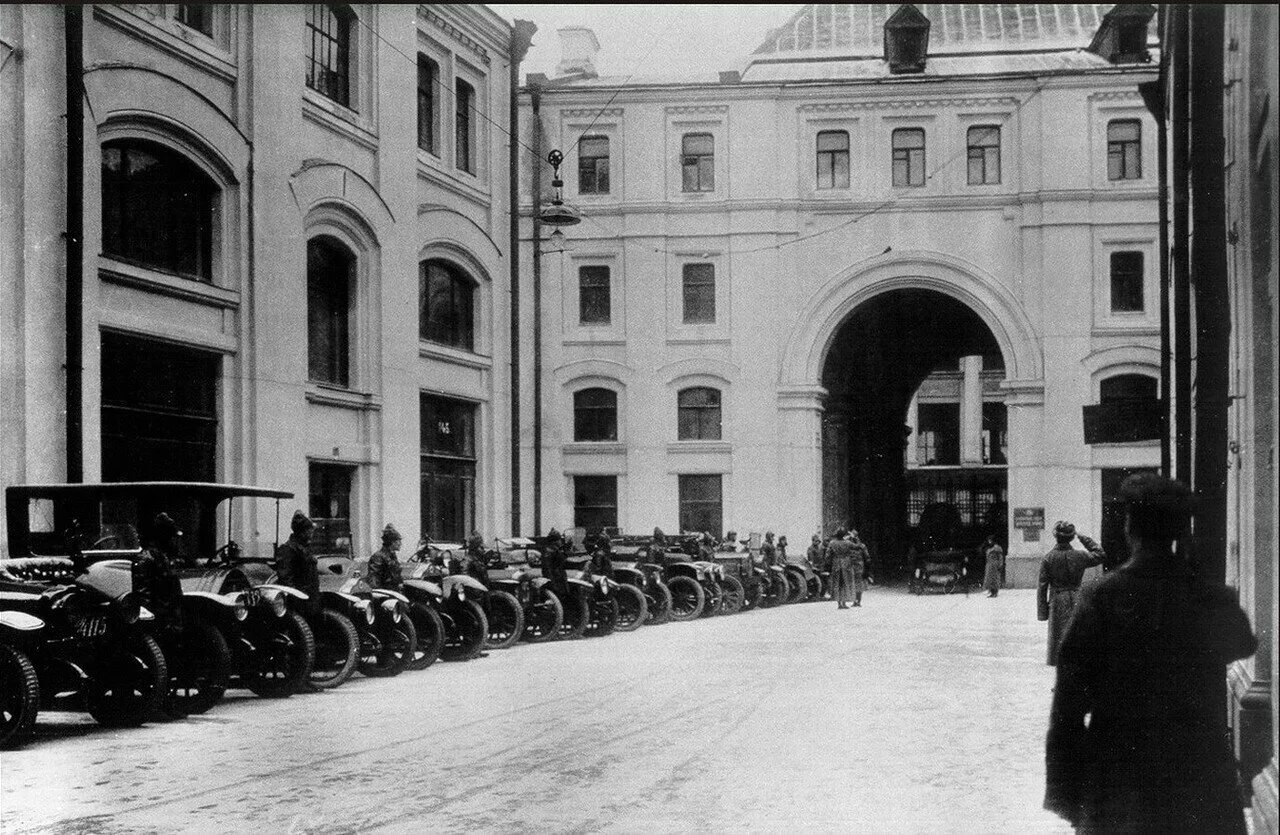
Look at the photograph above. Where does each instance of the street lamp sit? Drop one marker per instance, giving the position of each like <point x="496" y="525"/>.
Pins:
<point x="556" y="213"/>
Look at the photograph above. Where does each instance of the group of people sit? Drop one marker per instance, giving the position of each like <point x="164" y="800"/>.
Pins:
<point x="846" y="557"/>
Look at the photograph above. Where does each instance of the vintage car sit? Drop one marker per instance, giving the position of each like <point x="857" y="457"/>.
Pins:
<point x="19" y="683"/>
<point x="509" y="566"/>
<point x="632" y="564"/>
<point x="626" y="584"/>
<point x="457" y="599"/>
<point x="696" y="589"/>
<point x="388" y="639"/>
<point x="937" y="563"/>
<point x="448" y="564"/>
<point x="740" y="579"/>
<point x="586" y="605"/>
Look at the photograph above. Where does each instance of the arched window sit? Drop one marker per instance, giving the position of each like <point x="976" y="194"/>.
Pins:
<point x="1128" y="387"/>
<point x="157" y="208"/>
<point x="595" y="415"/>
<point x="446" y="305"/>
<point x="330" y="272"/>
<point x="698" y="414"/>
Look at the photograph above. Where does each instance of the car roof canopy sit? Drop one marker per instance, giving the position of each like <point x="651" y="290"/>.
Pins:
<point x="196" y="489"/>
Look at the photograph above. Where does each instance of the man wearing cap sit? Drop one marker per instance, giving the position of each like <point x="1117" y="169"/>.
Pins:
<point x="1061" y="572"/>
<point x="859" y="566"/>
<point x="840" y="555"/>
<point x="154" y="578"/>
<point x="295" y="566"/>
<point x="1144" y="658"/>
<point x="553" y="561"/>
<point x="384" y="565"/>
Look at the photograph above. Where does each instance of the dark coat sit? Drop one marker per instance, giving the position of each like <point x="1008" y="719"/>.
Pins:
<point x="157" y="585"/>
<point x="296" y="567"/>
<point x="1061" y="572"/>
<point x="1145" y="655"/>
<point x="995" y="566"/>
<point x="384" y="570"/>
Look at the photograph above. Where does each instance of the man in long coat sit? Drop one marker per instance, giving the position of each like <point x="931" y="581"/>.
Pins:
<point x="840" y="555"/>
<point x="1061" y="572"/>
<point x="1144" y="658"/>
<point x="993" y="573"/>
<point x="296" y="567"/>
<point x="860" y="566"/>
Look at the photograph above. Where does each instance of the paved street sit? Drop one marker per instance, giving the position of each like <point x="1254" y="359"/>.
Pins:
<point x="910" y="714"/>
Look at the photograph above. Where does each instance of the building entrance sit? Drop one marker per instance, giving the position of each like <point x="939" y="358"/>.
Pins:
<point x="914" y="428"/>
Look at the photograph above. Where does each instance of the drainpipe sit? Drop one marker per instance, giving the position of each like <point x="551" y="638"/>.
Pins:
<point x="1179" y="45"/>
<point x="535" y="98"/>
<point x="521" y="38"/>
<point x="73" y="17"/>
<point x="1156" y="96"/>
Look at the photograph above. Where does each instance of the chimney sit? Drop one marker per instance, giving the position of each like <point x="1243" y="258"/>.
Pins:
<point x="578" y="48"/>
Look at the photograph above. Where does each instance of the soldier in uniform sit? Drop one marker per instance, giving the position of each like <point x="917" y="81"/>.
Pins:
<point x="769" y="551"/>
<point x="296" y="567"/>
<point x="1144" y="658"/>
<point x="861" y="561"/>
<point x="1061" y="572"/>
<point x="553" y="561"/>
<point x="154" y="578"/>
<point x="384" y="565"/>
<point x="840" y="555"/>
<point x="994" y="570"/>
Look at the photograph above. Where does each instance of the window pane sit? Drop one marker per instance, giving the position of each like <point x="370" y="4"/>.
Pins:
<point x="428" y="77"/>
<point x="593" y="295"/>
<point x="699" y="144"/>
<point x="595" y="502"/>
<point x="198" y="17"/>
<point x="701" y="505"/>
<point x="446" y="305"/>
<point x="594" y="146"/>
<point x="595" y="415"/>
<point x="699" y="294"/>
<point x="1126" y="282"/>
<point x="464" y="101"/>
<point x="329" y="506"/>
<point x="329" y="270"/>
<point x="938" y="433"/>
<point x="329" y="35"/>
<point x="698" y="414"/>
<point x="841" y="170"/>
<point x="908" y="138"/>
<point x="1123" y="131"/>
<point x="593" y="165"/>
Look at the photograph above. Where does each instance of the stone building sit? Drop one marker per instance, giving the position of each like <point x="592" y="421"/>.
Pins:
<point x="880" y="267"/>
<point x="295" y="240"/>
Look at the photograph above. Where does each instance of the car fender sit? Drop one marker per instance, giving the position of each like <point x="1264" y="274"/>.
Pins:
<point x="539" y="582"/>
<point x="390" y="593"/>
<point x="113" y="578"/>
<point x="213" y="580"/>
<point x="581" y="583"/>
<point x="289" y="590"/>
<point x="20" y="621"/>
<point x="634" y="576"/>
<point x="471" y="583"/>
<point x="429" y="587"/>
<point x="686" y="569"/>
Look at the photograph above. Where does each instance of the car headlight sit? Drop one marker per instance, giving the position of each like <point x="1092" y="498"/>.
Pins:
<point x="130" y="608"/>
<point x="145" y="614"/>
<point x="392" y="608"/>
<point x="279" y="604"/>
<point x="240" y="607"/>
<point x="369" y="613"/>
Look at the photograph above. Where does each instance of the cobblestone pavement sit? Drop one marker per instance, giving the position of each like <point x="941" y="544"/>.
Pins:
<point x="910" y="714"/>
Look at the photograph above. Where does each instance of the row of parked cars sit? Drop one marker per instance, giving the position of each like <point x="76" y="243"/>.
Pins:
<point x="81" y="628"/>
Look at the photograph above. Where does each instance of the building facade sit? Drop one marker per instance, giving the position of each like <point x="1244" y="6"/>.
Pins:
<point x="882" y="266"/>
<point x="292" y="276"/>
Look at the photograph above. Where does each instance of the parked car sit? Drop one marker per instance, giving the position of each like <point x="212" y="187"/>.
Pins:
<point x="633" y="563"/>
<point x="457" y="599"/>
<point x="19" y="683"/>
<point x="388" y="638"/>
<point x="511" y="568"/>
<point x="695" y="584"/>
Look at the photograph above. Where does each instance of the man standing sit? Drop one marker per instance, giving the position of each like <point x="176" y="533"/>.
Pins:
<point x="994" y="570"/>
<point x="840" y="555"/>
<point x="296" y="567"/>
<point x="1061" y="572"/>
<point x="861" y="559"/>
<point x="154" y="578"/>
<point x="384" y="565"/>
<point x="1144" y="658"/>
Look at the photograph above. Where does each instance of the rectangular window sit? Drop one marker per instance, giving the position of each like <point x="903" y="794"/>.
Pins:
<point x="593" y="295"/>
<point x="1124" y="149"/>
<point x="464" y="101"/>
<point x="698" y="162"/>
<point x="448" y="467"/>
<point x="329" y="506"/>
<point x="938" y="435"/>
<point x="1126" y="282"/>
<point x="995" y="433"/>
<point x="698" y="414"/>
<point x="984" y="155"/>
<point x="428" y="103"/>
<point x="699" y="294"/>
<point x="833" y="159"/>
<point x="908" y="157"/>
<point x="702" y="504"/>
<point x="593" y="165"/>
<point x="595" y="415"/>
<point x="196" y="16"/>
<point x="595" y="502"/>
<point x="329" y="51"/>
<point x="446" y="305"/>
<point x="329" y="270"/>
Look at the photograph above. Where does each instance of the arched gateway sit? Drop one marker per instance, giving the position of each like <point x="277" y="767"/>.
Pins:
<point x="857" y="357"/>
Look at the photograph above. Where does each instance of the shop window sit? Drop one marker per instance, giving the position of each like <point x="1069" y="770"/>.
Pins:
<point x="448" y="468"/>
<point x="833" y="159"/>
<point x="595" y="502"/>
<point x="702" y="504"/>
<point x="595" y="415"/>
<point x="698" y="414"/>
<point x="464" y="101"/>
<point x="1124" y="149"/>
<point x="908" y="157"/>
<point x="698" y="162"/>
<point x="446" y="305"/>
<point x="428" y="104"/>
<point x="329" y="507"/>
<point x="330" y="272"/>
<point x="1126" y="282"/>
<point x="699" y="290"/>
<point x="984" y="155"/>
<point x="593" y="165"/>
<point x="593" y="295"/>
<point x="329" y="29"/>
<point x="157" y="208"/>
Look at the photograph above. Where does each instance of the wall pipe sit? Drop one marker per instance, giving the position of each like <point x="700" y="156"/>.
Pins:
<point x="1181" y="279"/>
<point x="73" y="17"/>
<point x="522" y="32"/>
<point x="535" y="98"/>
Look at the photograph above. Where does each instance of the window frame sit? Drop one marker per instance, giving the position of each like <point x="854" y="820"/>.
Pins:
<point x="1138" y="277"/>
<point x="579" y="481"/>
<point x="463" y="293"/>
<point x="595" y="168"/>
<point x="705" y="420"/>
<point x="684" y="502"/>
<point x="1118" y="152"/>
<point x="984" y="155"/>
<point x="341" y="334"/>
<point x="689" y="280"/>
<point x="431" y="95"/>
<point x="603" y="274"/>
<point x="465" y="139"/>
<point x="907" y="155"/>
<point x="595" y="423"/>
<point x="831" y="156"/>
<point x="327" y="535"/>
<point x="343" y="41"/>
<point x="703" y="164"/>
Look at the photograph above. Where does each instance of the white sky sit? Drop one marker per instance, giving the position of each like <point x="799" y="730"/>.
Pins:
<point x="652" y="39"/>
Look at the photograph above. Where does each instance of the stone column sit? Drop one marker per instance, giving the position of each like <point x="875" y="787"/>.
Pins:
<point x="1025" y="402"/>
<point x="799" y="486"/>
<point x="971" y="412"/>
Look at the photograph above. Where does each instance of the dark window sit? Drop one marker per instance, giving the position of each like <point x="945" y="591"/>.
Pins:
<point x="833" y="159"/>
<point x="330" y="507"/>
<point x="595" y="502"/>
<point x="330" y="269"/>
<point x="984" y="155"/>
<point x="428" y="104"/>
<point x="995" y="433"/>
<point x="464" y="100"/>
<point x="593" y="295"/>
<point x="1126" y="282"/>
<point x="593" y="165"/>
<point x="1124" y="149"/>
<point x="329" y="51"/>
<point x="157" y="208"/>
<point x="446" y="308"/>
<point x="699" y="294"/>
<point x="698" y="161"/>
<point x="196" y="16"/>
<point x="1128" y="387"/>
<point x="938" y="435"/>
<point x="448" y="496"/>
<point x="908" y="157"/>
<point x="595" y="415"/>
<point x="701" y="504"/>
<point x="159" y="411"/>
<point x="698" y="414"/>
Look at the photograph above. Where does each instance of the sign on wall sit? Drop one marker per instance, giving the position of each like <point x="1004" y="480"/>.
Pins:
<point x="1028" y="518"/>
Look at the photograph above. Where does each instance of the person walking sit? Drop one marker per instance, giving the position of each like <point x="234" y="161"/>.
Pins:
<point x="993" y="573"/>
<point x="840" y="555"/>
<point x="1061" y="572"/>
<point x="384" y="565"/>
<point x="1144" y="659"/>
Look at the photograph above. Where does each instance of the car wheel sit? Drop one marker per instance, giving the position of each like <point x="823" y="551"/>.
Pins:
<point x="604" y="616"/>
<point x="633" y="609"/>
<point x="466" y="628"/>
<point x="199" y="667"/>
<point x="752" y="595"/>
<point x="337" y="650"/>
<point x="19" y="697"/>
<point x="799" y="589"/>
<point x="659" y="605"/>
<point x="130" y="683"/>
<point x="687" y="598"/>
<point x="815" y="588"/>
<point x="577" y="614"/>
<point x="287" y="654"/>
<point x="397" y="643"/>
<point x="506" y="620"/>
<point x="714" y="595"/>
<point x="430" y="629"/>
<point x="777" y="591"/>
<point x="544" y="619"/>
<point x="734" y="594"/>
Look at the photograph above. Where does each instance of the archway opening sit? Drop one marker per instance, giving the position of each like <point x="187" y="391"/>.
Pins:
<point x="914" y="428"/>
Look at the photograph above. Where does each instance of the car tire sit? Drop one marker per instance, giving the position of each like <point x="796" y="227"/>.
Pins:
<point x="199" y="668"/>
<point x="815" y="588"/>
<point x="577" y="614"/>
<point x="290" y="656"/>
<point x="604" y="617"/>
<point x="130" y="684"/>
<point x="430" y="629"/>
<point x="777" y="592"/>
<point x="466" y="629"/>
<point x="687" y="598"/>
<point x="633" y="608"/>
<point x="752" y="595"/>
<point x="398" y="641"/>
<point x="337" y="650"/>
<point x="19" y="697"/>
<point x="713" y="594"/>
<point x="734" y="596"/>
<point x="544" y="619"/>
<point x="506" y="620"/>
<point x="659" y="605"/>
<point x="799" y="588"/>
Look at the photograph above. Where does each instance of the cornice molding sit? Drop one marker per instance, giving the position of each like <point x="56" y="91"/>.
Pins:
<point x="1116" y="95"/>
<point x="684" y="109"/>
<point x="580" y="112"/>
<point x="430" y="16"/>
<point x="900" y="104"/>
